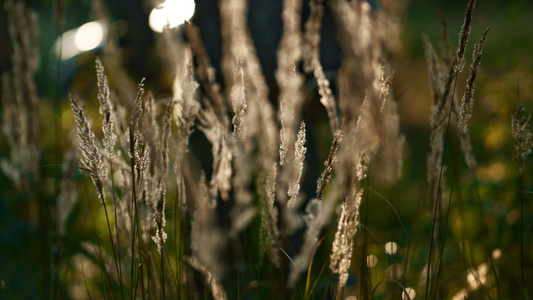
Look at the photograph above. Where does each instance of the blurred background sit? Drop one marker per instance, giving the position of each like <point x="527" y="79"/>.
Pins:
<point x="506" y="54"/>
<point x="485" y="213"/>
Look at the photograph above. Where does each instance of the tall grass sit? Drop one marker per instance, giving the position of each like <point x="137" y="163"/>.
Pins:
<point x="245" y="227"/>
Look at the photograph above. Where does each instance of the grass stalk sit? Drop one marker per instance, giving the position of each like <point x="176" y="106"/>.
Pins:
<point x="134" y="220"/>
<point x="111" y="240"/>
<point x="162" y="270"/>
<point x="522" y="262"/>
<point x="104" y="270"/>
<point x="57" y="130"/>
<point x="441" y="254"/>
<point x="85" y="281"/>
<point x="437" y="201"/>
<point x="174" y="278"/>
<point x="366" y="280"/>
<point x="120" y="278"/>
<point x="521" y="186"/>
<point x="308" y="281"/>
<point x="149" y="277"/>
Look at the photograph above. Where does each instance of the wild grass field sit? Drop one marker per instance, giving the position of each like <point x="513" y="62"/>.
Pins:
<point x="267" y="150"/>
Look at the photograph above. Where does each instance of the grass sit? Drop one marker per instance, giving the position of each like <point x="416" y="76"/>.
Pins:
<point x="221" y="191"/>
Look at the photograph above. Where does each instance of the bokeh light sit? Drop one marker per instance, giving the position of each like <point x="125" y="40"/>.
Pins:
<point x="84" y="38"/>
<point x="371" y="261"/>
<point x="496" y="254"/>
<point x="391" y="248"/>
<point x="409" y="293"/>
<point x="89" y="36"/>
<point x="171" y="13"/>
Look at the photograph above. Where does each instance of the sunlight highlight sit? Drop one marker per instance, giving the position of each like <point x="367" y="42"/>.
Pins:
<point x="85" y="38"/>
<point x="171" y="13"/>
<point x="391" y="248"/>
<point x="371" y="261"/>
<point x="409" y="294"/>
<point x="89" y="36"/>
<point x="496" y="254"/>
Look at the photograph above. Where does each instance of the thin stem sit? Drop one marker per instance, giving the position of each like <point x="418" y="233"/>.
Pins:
<point x="105" y="271"/>
<point x="149" y="275"/>
<point x="111" y="239"/>
<point x="142" y="281"/>
<point x="140" y="266"/>
<point x="162" y="270"/>
<point x="437" y="201"/>
<point x="439" y="260"/>
<point x="134" y="220"/>
<point x="116" y="227"/>
<point x="164" y="250"/>
<point x="136" y="285"/>
<point x="57" y="131"/>
<point x="85" y="281"/>
<point x="521" y="182"/>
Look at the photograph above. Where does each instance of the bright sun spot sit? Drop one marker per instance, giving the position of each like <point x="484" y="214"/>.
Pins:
<point x="391" y="248"/>
<point x="408" y="293"/>
<point x="371" y="261"/>
<point x="89" y="36"/>
<point x="171" y="12"/>
<point x="75" y="41"/>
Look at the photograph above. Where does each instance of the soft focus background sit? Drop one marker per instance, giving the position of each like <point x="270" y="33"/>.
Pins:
<point x="484" y="215"/>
